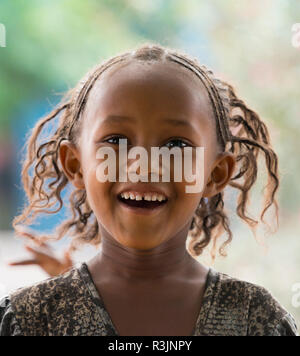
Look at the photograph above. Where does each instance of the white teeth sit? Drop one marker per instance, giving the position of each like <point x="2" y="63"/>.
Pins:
<point x="160" y="197"/>
<point x="146" y="196"/>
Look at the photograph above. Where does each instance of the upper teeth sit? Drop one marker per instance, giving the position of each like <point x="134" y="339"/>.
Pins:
<point x="145" y="196"/>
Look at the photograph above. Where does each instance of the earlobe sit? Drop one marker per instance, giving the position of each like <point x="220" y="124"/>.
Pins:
<point x="220" y="175"/>
<point x="71" y="165"/>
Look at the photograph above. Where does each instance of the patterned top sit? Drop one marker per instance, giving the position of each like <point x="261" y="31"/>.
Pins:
<point x="70" y="305"/>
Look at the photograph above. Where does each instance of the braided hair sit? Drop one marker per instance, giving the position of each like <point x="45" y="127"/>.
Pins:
<point x="210" y="220"/>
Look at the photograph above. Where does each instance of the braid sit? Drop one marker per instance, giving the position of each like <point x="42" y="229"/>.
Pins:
<point x="210" y="220"/>
<point x="220" y="110"/>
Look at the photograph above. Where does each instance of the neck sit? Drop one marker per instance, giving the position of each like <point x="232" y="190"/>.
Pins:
<point x="166" y="260"/>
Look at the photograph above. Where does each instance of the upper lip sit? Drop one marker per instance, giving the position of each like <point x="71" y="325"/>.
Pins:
<point x="143" y="188"/>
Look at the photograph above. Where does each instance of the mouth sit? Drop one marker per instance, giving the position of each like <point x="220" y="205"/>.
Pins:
<point x="141" y="206"/>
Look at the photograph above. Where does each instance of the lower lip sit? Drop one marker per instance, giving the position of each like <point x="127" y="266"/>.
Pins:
<point x="142" y="211"/>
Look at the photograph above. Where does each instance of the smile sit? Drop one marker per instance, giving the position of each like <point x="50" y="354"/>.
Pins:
<point x="149" y="196"/>
<point x="143" y="203"/>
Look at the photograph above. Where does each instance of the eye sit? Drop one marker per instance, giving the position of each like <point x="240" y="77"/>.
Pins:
<point x="177" y="142"/>
<point x="114" y="140"/>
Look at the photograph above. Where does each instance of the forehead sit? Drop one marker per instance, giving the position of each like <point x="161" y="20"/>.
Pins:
<point x="154" y="90"/>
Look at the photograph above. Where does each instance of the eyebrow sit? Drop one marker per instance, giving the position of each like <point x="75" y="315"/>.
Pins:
<point x="172" y="121"/>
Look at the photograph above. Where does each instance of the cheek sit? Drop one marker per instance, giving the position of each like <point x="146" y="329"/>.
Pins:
<point x="193" y="175"/>
<point x="99" y="194"/>
<point x="186" y="203"/>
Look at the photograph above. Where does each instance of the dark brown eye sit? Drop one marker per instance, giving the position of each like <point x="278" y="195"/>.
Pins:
<point x="177" y="143"/>
<point x="114" y="140"/>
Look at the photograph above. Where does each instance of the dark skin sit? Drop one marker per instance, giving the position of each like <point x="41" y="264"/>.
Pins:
<point x="148" y="281"/>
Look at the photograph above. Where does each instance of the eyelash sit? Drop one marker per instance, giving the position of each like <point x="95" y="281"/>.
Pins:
<point x="171" y="140"/>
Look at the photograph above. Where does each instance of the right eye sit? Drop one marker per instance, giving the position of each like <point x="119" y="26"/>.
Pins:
<point x="114" y="138"/>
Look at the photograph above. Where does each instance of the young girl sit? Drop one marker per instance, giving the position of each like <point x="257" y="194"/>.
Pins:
<point x="144" y="281"/>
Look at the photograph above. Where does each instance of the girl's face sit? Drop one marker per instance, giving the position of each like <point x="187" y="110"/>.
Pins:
<point x="138" y="101"/>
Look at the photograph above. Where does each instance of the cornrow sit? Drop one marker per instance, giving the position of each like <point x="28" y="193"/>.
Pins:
<point x="210" y="220"/>
<point x="213" y="92"/>
<point x="86" y="85"/>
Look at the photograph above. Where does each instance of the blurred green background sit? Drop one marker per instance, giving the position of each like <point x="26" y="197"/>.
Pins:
<point x="51" y="44"/>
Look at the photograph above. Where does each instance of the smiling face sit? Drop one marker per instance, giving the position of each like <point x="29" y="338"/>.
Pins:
<point x="152" y="105"/>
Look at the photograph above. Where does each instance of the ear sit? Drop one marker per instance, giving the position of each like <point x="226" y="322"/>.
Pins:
<point x="70" y="161"/>
<point x="220" y="175"/>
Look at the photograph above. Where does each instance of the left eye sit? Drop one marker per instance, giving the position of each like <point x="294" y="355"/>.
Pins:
<point x="177" y="142"/>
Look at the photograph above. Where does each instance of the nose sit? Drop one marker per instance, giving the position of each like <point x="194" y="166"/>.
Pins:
<point x="139" y="163"/>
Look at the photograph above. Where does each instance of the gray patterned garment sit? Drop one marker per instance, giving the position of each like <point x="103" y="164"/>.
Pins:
<point x="71" y="305"/>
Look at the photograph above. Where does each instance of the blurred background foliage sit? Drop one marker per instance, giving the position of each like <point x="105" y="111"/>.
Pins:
<point x="51" y="44"/>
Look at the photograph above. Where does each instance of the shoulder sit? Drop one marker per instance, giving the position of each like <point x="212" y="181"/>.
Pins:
<point x="8" y="322"/>
<point x="49" y="289"/>
<point x="49" y="301"/>
<point x="252" y="307"/>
